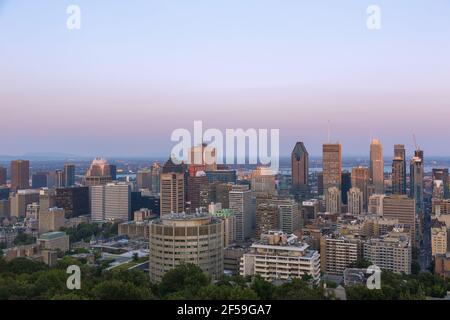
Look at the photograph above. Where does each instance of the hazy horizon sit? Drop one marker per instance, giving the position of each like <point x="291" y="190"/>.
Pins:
<point x="136" y="72"/>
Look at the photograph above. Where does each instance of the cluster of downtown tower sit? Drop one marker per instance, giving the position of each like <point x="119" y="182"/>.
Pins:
<point x="241" y="220"/>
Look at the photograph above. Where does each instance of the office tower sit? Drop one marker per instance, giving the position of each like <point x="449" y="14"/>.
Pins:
<point x="375" y="205"/>
<point x="2" y="176"/>
<point x="21" y="200"/>
<point x="179" y="238"/>
<point x="438" y="189"/>
<point x="4" y="192"/>
<point x="442" y="175"/>
<point x="144" y="179"/>
<point x="69" y="175"/>
<point x="20" y="174"/>
<point x="346" y="185"/>
<point x="402" y="208"/>
<point x="416" y="183"/>
<point x="60" y="179"/>
<point x="97" y="203"/>
<point x="300" y="171"/>
<point x="228" y="225"/>
<point x="360" y="180"/>
<point x="392" y="252"/>
<point x="113" y="172"/>
<point x="52" y="219"/>
<point x="419" y="154"/>
<point x="39" y="180"/>
<point x="267" y="218"/>
<point x="290" y="217"/>
<point x="399" y="170"/>
<point x="440" y="207"/>
<point x="32" y="211"/>
<point x="355" y="201"/>
<point x="117" y="202"/>
<point x="47" y="199"/>
<point x="263" y="181"/>
<point x="172" y="188"/>
<point x="74" y="201"/>
<point x="111" y="202"/>
<point x="377" y="166"/>
<point x="338" y="252"/>
<point x="99" y="173"/>
<point x="222" y="176"/>
<point x="202" y="158"/>
<point x="320" y="189"/>
<point x="222" y="194"/>
<point x="333" y="200"/>
<point x="279" y="256"/>
<point x="332" y="166"/>
<point x="309" y="209"/>
<point x="196" y="187"/>
<point x="241" y="204"/>
<point x="156" y="177"/>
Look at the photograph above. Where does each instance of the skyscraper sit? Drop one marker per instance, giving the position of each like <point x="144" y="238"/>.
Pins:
<point x="442" y="175"/>
<point x="156" y="177"/>
<point x="69" y="175"/>
<point x="346" y="185"/>
<point x="172" y="188"/>
<point x="39" y="180"/>
<point x="144" y="179"/>
<point x="360" y="180"/>
<point x="416" y="183"/>
<point x="60" y="179"/>
<point x="241" y="205"/>
<point x="332" y="166"/>
<point x="355" y="201"/>
<point x="20" y="174"/>
<point x="196" y="186"/>
<point x="377" y="166"/>
<point x="401" y="208"/>
<point x="300" y="171"/>
<point x="333" y="200"/>
<point x="111" y="202"/>
<point x="267" y="218"/>
<point x="99" y="173"/>
<point x="399" y="170"/>
<point x="2" y="176"/>
<point x="263" y="181"/>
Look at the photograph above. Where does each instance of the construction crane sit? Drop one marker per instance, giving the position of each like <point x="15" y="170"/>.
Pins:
<point x="415" y="142"/>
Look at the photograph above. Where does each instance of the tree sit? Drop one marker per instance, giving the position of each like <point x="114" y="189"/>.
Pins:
<point x="119" y="290"/>
<point x="262" y="288"/>
<point x="187" y="278"/>
<point x="24" y="239"/>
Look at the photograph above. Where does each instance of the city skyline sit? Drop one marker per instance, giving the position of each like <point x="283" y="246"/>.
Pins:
<point x="258" y="63"/>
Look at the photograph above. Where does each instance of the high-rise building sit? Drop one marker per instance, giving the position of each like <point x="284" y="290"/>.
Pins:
<point x="196" y="186"/>
<point x="332" y="166"/>
<point x="267" y="218"/>
<point x="47" y="199"/>
<point x="60" y="179"/>
<point x="2" y="176"/>
<point x="263" y="181"/>
<point x="346" y="185"/>
<point x="111" y="202"/>
<point x="69" y="175"/>
<point x="399" y="170"/>
<point x="289" y="211"/>
<point x="391" y="252"/>
<point x="338" y="252"/>
<point x="300" y="171"/>
<point x="360" y="180"/>
<point x="241" y="204"/>
<point x="21" y="200"/>
<point x="442" y="175"/>
<point x="99" y="173"/>
<point x="20" y="174"/>
<point x="402" y="208"/>
<point x="355" y="201"/>
<point x="439" y="238"/>
<point x="51" y="220"/>
<point x="375" y="205"/>
<point x="417" y="183"/>
<point x="228" y="225"/>
<point x="4" y="192"/>
<point x="377" y="166"/>
<point x="156" y="177"/>
<point x="280" y="256"/>
<point x="221" y="176"/>
<point x="74" y="201"/>
<point x="144" y="179"/>
<point x="333" y="200"/>
<point x="179" y="238"/>
<point x="172" y="188"/>
<point x="39" y="180"/>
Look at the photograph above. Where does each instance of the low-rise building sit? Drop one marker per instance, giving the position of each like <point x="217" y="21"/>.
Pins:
<point x="56" y="240"/>
<point x="279" y="256"/>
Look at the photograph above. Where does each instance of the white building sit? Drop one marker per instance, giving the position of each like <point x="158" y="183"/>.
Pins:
<point x="111" y="202"/>
<point x="279" y="256"/>
<point x="240" y="198"/>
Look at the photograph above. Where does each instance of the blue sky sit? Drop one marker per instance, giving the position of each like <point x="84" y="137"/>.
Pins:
<point x="139" y="69"/>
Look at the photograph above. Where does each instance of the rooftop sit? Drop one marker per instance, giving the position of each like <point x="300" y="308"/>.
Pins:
<point x="52" y="235"/>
